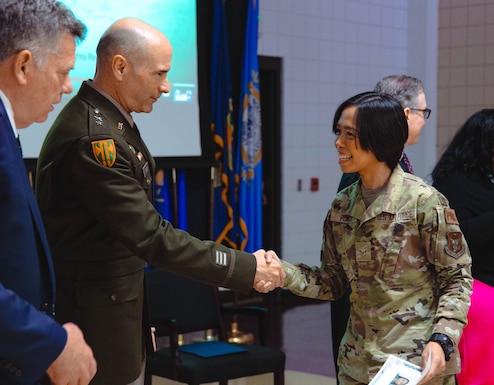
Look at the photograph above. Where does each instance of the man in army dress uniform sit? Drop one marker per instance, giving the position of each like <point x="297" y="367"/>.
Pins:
<point x="394" y="239"/>
<point x="94" y="186"/>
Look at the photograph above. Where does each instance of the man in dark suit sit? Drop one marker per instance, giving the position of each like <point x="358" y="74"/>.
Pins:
<point x="409" y="91"/>
<point x="37" y="50"/>
<point x="94" y="186"/>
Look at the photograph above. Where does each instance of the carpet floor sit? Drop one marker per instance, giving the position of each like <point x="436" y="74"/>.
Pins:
<point x="291" y="378"/>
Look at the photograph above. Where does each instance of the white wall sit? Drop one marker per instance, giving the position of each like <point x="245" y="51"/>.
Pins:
<point x="422" y="63"/>
<point x="465" y="63"/>
<point x="331" y="50"/>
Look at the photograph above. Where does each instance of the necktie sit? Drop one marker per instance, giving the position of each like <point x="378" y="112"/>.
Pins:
<point x="404" y="159"/>
<point x="19" y="143"/>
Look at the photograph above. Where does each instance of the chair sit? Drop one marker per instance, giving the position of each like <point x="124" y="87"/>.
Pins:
<point x="179" y="305"/>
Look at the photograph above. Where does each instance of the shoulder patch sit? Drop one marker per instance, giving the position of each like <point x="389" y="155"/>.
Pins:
<point x="450" y="216"/>
<point x="455" y="247"/>
<point x="104" y="152"/>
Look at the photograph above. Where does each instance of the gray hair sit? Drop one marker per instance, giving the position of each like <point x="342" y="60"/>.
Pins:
<point x="406" y="89"/>
<point x="37" y="26"/>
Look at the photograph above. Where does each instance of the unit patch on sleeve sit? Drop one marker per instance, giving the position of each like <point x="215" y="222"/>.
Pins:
<point x="104" y="152"/>
<point x="455" y="247"/>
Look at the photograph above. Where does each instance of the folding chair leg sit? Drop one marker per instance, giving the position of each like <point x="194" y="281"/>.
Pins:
<point x="279" y="378"/>
<point x="148" y="379"/>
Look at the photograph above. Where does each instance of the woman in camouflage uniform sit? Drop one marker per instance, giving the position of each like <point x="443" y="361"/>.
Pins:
<point x="397" y="243"/>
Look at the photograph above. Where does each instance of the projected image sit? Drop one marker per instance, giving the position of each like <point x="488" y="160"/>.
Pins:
<point x="172" y="128"/>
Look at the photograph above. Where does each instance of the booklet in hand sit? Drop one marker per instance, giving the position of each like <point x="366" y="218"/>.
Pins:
<point x="397" y="371"/>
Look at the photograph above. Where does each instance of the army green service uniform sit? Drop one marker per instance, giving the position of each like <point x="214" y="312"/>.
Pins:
<point x="408" y="266"/>
<point x="95" y="185"/>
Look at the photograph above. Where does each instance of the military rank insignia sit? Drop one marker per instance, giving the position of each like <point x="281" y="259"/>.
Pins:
<point x="104" y="152"/>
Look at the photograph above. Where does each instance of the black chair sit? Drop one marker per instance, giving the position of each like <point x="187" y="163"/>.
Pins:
<point x="179" y="305"/>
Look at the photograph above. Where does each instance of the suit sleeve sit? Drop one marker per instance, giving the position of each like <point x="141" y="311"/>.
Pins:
<point x="30" y="340"/>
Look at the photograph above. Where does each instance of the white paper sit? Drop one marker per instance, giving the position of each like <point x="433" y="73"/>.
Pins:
<point x="397" y="371"/>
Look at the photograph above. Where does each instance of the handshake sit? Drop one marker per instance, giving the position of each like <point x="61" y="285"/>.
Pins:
<point x="269" y="272"/>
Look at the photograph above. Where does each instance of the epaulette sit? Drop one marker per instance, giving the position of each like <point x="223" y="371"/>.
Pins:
<point x="102" y="139"/>
<point x="102" y="125"/>
<point x="97" y="123"/>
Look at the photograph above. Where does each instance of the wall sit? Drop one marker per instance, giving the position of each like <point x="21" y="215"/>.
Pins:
<point x="466" y="63"/>
<point x="331" y="50"/>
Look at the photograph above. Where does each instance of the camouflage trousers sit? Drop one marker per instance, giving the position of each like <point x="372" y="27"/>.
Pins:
<point x="344" y="379"/>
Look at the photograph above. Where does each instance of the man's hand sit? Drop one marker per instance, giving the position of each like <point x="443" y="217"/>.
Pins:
<point x="269" y="273"/>
<point x="153" y="337"/>
<point x="438" y="363"/>
<point x="76" y="364"/>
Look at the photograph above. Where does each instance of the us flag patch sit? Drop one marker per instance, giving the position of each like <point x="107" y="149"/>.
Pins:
<point x="450" y="216"/>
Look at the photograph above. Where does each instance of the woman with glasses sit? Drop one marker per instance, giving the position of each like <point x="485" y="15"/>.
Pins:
<point x="394" y="240"/>
<point x="464" y="174"/>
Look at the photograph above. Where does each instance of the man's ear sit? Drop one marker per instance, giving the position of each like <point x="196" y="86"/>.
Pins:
<point x="119" y="66"/>
<point x="23" y="65"/>
<point x="407" y="112"/>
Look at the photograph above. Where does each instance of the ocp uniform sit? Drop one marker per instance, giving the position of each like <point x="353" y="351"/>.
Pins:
<point x="400" y="255"/>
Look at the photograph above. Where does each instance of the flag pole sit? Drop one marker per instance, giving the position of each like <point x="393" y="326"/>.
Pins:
<point x="211" y="202"/>
<point x="175" y="197"/>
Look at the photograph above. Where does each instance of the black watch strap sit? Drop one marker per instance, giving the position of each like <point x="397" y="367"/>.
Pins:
<point x="445" y="343"/>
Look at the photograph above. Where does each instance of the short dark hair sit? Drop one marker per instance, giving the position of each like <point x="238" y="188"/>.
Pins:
<point x="404" y="88"/>
<point x="470" y="150"/>
<point x="380" y="123"/>
<point x="36" y="25"/>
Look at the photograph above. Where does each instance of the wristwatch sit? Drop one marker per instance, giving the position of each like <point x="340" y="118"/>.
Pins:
<point x="445" y="343"/>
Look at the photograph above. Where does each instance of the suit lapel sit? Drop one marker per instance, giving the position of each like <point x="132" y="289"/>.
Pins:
<point x="18" y="164"/>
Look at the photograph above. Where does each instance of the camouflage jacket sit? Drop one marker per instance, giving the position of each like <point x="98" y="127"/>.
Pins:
<point x="408" y="266"/>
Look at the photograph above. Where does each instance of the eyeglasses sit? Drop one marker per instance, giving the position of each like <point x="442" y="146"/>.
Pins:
<point x="426" y="112"/>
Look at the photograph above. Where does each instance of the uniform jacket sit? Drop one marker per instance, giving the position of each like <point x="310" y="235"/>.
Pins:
<point x="408" y="266"/>
<point x="94" y="186"/>
<point x="30" y="339"/>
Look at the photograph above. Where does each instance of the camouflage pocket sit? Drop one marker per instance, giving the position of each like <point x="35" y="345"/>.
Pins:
<point x="390" y="260"/>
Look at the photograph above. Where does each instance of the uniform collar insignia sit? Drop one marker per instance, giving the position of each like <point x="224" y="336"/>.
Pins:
<point x="98" y="119"/>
